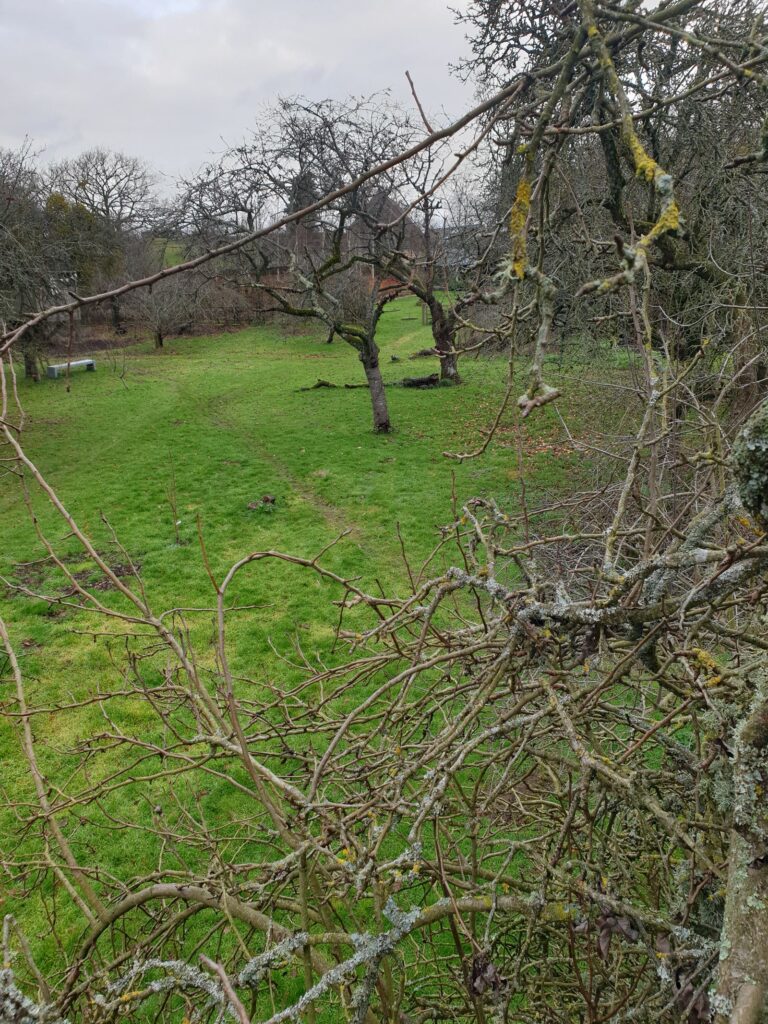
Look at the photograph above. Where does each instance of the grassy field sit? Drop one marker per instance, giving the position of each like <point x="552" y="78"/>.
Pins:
<point x="207" y="426"/>
<point x="220" y="422"/>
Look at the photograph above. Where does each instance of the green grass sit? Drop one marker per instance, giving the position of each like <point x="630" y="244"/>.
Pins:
<point x="222" y="417"/>
<point x="220" y="421"/>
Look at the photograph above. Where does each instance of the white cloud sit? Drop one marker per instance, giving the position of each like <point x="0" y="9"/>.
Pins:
<point x="168" y="79"/>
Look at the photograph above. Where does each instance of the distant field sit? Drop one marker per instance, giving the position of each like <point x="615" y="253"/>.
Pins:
<point x="213" y="424"/>
<point x="172" y="253"/>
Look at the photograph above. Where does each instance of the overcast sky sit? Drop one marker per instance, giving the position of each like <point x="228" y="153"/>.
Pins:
<point x="168" y="79"/>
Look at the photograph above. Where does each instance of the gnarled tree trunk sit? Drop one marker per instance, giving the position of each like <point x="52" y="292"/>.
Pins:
<point x="117" y="315"/>
<point x="31" y="370"/>
<point x="742" y="985"/>
<point x="742" y="988"/>
<point x="369" y="356"/>
<point x="443" y="331"/>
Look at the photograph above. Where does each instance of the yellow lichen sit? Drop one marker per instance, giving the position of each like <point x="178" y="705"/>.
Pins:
<point x="518" y="219"/>
<point x="669" y="220"/>
<point x="645" y="166"/>
<point x="559" y="912"/>
<point x="748" y="524"/>
<point x="705" y="659"/>
<point x="708" y="663"/>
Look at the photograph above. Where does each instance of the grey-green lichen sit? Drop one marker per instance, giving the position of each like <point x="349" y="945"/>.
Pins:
<point x="750" y="465"/>
<point x="750" y="742"/>
<point x="175" y="975"/>
<point x="370" y="950"/>
<point x="720" y="1004"/>
<point x="16" y="1008"/>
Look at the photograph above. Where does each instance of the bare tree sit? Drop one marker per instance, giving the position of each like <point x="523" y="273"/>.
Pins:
<point x="184" y="305"/>
<point x="48" y="250"/>
<point x="119" y="189"/>
<point x="23" y="264"/>
<point x="328" y="266"/>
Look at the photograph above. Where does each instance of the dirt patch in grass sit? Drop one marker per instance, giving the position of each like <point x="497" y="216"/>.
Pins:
<point x="39" y="575"/>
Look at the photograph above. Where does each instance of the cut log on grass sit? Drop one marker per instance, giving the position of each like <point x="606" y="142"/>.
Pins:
<point x="322" y="384"/>
<point x="432" y="380"/>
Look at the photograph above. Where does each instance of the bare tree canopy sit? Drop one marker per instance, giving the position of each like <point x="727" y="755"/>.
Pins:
<point x="113" y="186"/>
